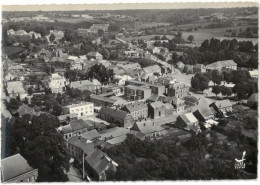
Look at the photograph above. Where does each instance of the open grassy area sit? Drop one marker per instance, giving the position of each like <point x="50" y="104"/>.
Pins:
<point x="75" y="20"/>
<point x="142" y="25"/>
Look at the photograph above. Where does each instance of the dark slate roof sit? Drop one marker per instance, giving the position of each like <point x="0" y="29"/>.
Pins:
<point x="135" y="106"/>
<point x="116" y="113"/>
<point x="98" y="160"/>
<point x="205" y="112"/>
<point x="24" y="109"/>
<point x="14" y="166"/>
<point x="102" y="98"/>
<point x="81" y="143"/>
<point x="90" y="135"/>
<point x="78" y="124"/>
<point x="223" y="103"/>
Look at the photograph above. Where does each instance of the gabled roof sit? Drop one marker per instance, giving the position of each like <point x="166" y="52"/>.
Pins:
<point x="24" y="109"/>
<point x="152" y="69"/>
<point x="117" y="140"/>
<point x="15" y="86"/>
<point x="95" y="54"/>
<point x="188" y="118"/>
<point x="78" y="124"/>
<point x="179" y="85"/>
<point x="135" y="106"/>
<point x="223" y="103"/>
<point x="147" y="127"/>
<point x="221" y="64"/>
<point x="90" y="135"/>
<point x="205" y="112"/>
<point x="116" y="113"/>
<point x="253" y="97"/>
<point x="98" y="160"/>
<point x="157" y="104"/>
<point x="80" y="142"/>
<point x="14" y="166"/>
<point x="102" y="98"/>
<point x="114" y="132"/>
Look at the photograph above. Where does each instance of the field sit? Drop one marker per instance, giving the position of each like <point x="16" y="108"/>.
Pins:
<point x="75" y="20"/>
<point x="142" y="25"/>
<point x="12" y="50"/>
<point x="202" y="34"/>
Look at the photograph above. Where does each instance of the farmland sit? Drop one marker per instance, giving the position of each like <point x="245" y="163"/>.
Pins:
<point x="75" y="20"/>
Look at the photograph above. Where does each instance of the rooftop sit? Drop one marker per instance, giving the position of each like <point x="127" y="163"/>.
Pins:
<point x="14" y="166"/>
<point x="78" y="105"/>
<point x="221" y="64"/>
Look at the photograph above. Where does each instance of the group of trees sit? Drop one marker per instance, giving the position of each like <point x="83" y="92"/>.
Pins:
<point x="38" y="141"/>
<point x="164" y="160"/>
<point x="225" y="91"/>
<point x="200" y="82"/>
<point x="97" y="71"/>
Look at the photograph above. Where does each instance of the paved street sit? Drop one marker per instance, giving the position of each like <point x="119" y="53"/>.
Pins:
<point x="74" y="175"/>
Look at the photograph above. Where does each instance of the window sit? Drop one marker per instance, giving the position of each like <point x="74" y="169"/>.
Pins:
<point x="28" y="179"/>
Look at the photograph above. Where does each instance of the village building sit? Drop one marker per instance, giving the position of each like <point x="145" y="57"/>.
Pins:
<point x="204" y="114"/>
<point x="222" y="106"/>
<point x="95" y="56"/>
<point x="134" y="93"/>
<point x="15" y="88"/>
<point x="179" y="90"/>
<point x="159" y="109"/>
<point x="99" y="100"/>
<point x="66" y="118"/>
<point x="188" y="121"/>
<point x="117" y="90"/>
<point x="82" y="109"/>
<point x="180" y="65"/>
<point x="178" y="103"/>
<point x="148" y="128"/>
<point x="57" y="83"/>
<point x="78" y="146"/>
<point x="83" y="85"/>
<point x="199" y="68"/>
<point x="24" y="109"/>
<point x="138" y="110"/>
<point x="119" y="117"/>
<point x="74" y="128"/>
<point x="222" y="65"/>
<point x="254" y="74"/>
<point x="91" y="136"/>
<point x="16" y="169"/>
<point x="97" y="163"/>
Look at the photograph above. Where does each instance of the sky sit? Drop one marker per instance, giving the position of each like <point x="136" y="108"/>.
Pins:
<point x="120" y="6"/>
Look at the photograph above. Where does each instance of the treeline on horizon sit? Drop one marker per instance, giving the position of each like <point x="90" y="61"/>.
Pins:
<point x="165" y="15"/>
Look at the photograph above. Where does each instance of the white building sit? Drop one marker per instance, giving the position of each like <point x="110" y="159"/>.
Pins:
<point x="57" y="83"/>
<point x="82" y="109"/>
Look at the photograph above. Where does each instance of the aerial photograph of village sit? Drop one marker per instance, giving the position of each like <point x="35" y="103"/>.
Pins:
<point x="125" y="94"/>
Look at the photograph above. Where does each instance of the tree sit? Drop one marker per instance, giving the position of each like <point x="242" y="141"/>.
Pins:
<point x="216" y="90"/>
<point x="190" y="38"/>
<point x="100" y="32"/>
<point x="113" y="27"/>
<point x="52" y="37"/>
<point x="216" y="77"/>
<point x="42" y="146"/>
<point x="57" y="110"/>
<point x="200" y="82"/>
<point x="13" y="104"/>
<point x="30" y="90"/>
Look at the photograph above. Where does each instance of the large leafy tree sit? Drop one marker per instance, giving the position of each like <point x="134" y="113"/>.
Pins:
<point x="200" y="82"/>
<point x="216" y="77"/>
<point x="42" y="146"/>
